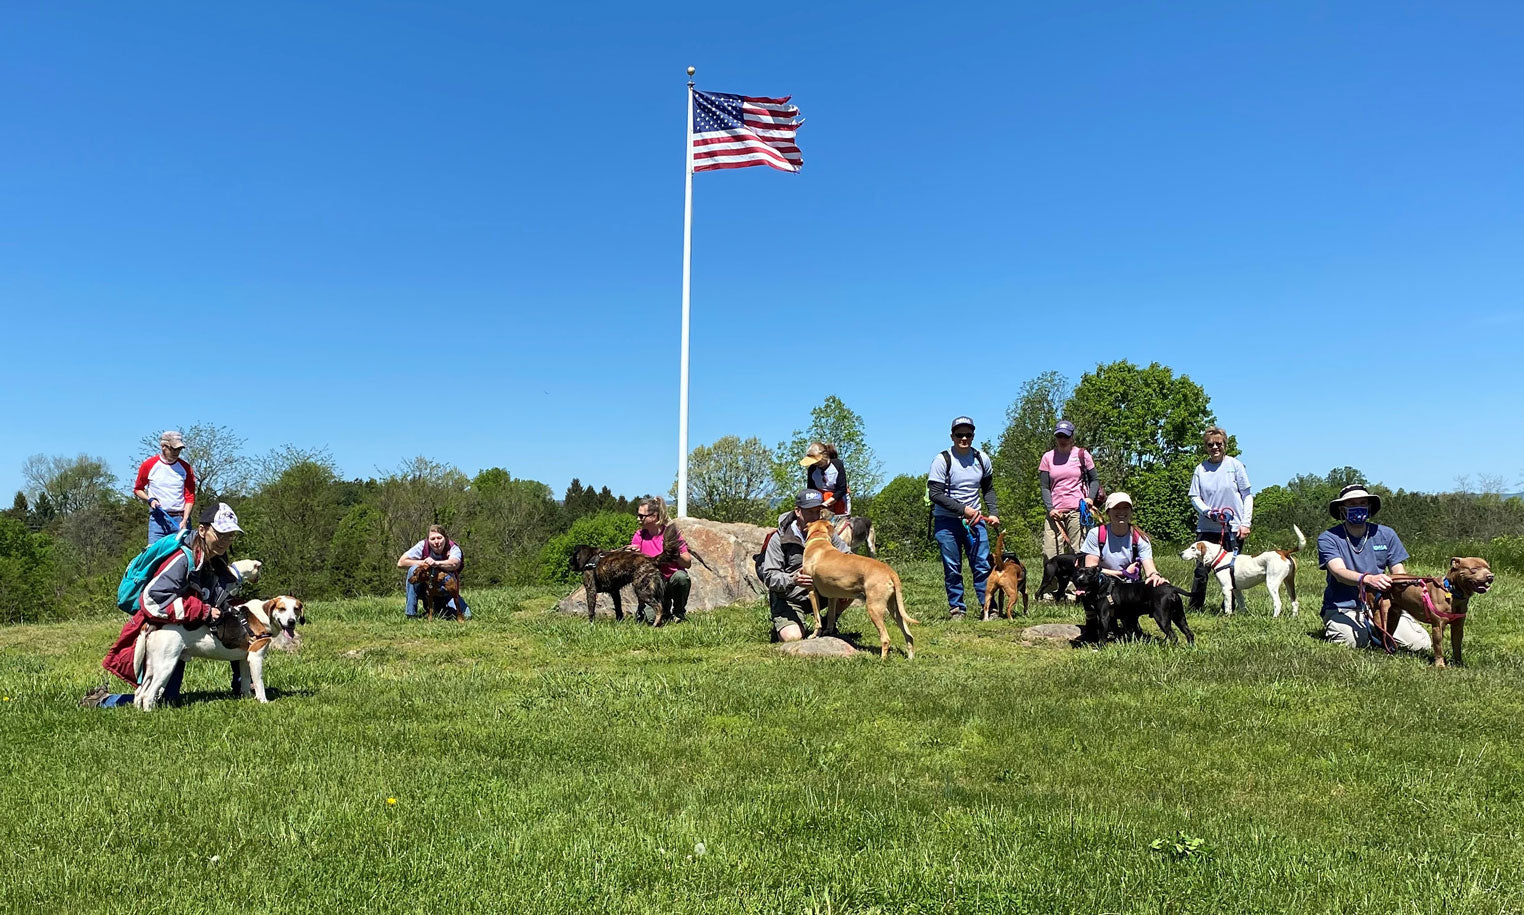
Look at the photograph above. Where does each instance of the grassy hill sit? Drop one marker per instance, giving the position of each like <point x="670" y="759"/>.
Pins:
<point x="530" y="762"/>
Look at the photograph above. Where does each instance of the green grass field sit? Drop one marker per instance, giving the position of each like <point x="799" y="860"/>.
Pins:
<point x="540" y="764"/>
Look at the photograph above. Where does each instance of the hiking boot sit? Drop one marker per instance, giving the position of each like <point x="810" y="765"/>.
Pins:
<point x="957" y="613"/>
<point x="94" y="697"/>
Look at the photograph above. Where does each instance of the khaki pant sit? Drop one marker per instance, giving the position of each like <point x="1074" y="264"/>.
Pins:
<point x="1052" y="544"/>
<point x="1353" y="629"/>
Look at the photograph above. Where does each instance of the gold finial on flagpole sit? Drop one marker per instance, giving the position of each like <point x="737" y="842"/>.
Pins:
<point x="690" y="71"/>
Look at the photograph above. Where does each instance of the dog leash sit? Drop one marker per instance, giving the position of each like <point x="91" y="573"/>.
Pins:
<point x="1371" y="600"/>
<point x="1428" y="599"/>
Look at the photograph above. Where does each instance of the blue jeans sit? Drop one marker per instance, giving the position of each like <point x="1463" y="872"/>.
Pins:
<point x="412" y="601"/>
<point x="161" y="524"/>
<point x="956" y="540"/>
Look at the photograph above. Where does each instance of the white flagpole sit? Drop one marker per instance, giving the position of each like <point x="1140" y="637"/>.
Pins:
<point x="682" y="397"/>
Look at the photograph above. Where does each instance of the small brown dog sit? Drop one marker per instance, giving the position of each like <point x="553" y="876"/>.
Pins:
<point x="1007" y="579"/>
<point x="1438" y="604"/>
<point x="843" y="577"/>
<point x="436" y="588"/>
<point x="610" y="570"/>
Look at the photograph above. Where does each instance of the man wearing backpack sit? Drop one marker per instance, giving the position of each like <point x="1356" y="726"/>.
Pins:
<point x="168" y="485"/>
<point x="780" y="566"/>
<point x="957" y="480"/>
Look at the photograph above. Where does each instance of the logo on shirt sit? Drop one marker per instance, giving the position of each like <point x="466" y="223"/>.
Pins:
<point x="1378" y="547"/>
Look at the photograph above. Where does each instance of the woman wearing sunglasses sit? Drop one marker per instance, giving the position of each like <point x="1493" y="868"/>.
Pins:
<point x="1224" y="503"/>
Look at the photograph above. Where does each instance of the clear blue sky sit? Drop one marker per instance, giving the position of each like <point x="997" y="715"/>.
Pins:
<point x="455" y="229"/>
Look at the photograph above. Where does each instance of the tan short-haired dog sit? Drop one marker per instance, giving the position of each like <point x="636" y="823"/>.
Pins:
<point x="1428" y="602"/>
<point x="843" y="577"/>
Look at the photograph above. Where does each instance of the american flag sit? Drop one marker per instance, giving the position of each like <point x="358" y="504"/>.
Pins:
<point x="736" y="131"/>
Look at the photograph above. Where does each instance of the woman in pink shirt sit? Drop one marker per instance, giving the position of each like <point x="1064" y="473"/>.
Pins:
<point x="650" y="539"/>
<point x="1066" y="475"/>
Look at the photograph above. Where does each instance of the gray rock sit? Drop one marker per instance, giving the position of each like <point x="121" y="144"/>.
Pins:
<point x="1050" y="634"/>
<point x="824" y="647"/>
<point x="722" y="573"/>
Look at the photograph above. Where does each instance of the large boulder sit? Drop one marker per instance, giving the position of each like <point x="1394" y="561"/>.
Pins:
<point x="723" y="572"/>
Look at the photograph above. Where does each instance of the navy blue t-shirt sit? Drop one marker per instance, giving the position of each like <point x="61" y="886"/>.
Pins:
<point x="1376" y="550"/>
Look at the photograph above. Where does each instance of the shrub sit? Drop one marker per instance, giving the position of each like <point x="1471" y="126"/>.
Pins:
<point x="899" y="514"/>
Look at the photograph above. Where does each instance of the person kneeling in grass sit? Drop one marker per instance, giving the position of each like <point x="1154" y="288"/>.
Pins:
<point x="1359" y="553"/>
<point x="650" y="539"/>
<point x="1125" y="551"/>
<point x="782" y="566"/>
<point x="439" y="551"/>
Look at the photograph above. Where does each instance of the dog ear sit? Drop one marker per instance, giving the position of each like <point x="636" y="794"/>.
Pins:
<point x="301" y="612"/>
<point x="1454" y="561"/>
<point x="269" y="607"/>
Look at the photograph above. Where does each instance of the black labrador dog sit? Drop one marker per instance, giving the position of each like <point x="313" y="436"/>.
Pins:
<point x="1114" y="605"/>
<point x="1057" y="573"/>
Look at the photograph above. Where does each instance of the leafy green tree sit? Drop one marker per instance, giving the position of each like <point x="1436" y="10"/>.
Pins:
<point x="29" y="579"/>
<point x="506" y="523"/>
<point x="68" y="484"/>
<point x="899" y="514"/>
<point x="417" y="494"/>
<point x="1143" y="426"/>
<point x="834" y="423"/>
<point x="291" y="524"/>
<point x="359" y="559"/>
<point x="1027" y="436"/>
<point x="731" y="480"/>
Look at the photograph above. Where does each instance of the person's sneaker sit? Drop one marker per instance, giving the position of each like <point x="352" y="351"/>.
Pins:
<point x="957" y="613"/>
<point x="94" y="697"/>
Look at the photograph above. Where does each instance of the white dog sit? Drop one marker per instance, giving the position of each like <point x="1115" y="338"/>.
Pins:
<point x="159" y="649"/>
<point x="1272" y="568"/>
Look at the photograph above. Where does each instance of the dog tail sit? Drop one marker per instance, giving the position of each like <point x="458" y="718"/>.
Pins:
<point x="1301" y="540"/>
<point x="872" y="547"/>
<point x="900" y="607"/>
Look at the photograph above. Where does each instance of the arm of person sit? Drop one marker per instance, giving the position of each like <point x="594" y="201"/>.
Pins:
<point x="937" y="491"/>
<point x="408" y="560"/>
<point x="452" y="562"/>
<point x="1243" y="523"/>
<point x="140" y="485"/>
<point x="1197" y="502"/>
<point x="190" y="496"/>
<point x="1151" y="573"/>
<point x="1092" y="479"/>
<point x="684" y="558"/>
<point x="1348" y="576"/>
<point x="1045" y="485"/>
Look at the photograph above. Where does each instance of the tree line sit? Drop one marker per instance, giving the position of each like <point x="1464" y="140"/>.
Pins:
<point x="69" y="534"/>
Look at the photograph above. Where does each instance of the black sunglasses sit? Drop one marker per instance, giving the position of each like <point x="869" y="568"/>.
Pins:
<point x="963" y="435"/>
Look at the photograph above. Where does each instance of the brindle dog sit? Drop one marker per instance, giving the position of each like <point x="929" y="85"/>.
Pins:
<point x="610" y="570"/>
<point x="436" y="588"/>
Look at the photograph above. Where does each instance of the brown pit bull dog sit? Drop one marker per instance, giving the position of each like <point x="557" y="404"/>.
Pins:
<point x="1438" y="604"/>
<point x="843" y="577"/>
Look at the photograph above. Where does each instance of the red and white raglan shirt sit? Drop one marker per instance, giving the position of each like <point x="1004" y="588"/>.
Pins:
<point x="174" y="485"/>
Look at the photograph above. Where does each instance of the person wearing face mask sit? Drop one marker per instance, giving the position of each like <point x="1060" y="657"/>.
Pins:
<point x="1359" y="552"/>
<point x="1224" y="503"/>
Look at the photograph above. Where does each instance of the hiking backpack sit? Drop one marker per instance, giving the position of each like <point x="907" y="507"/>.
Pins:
<point x="1100" y="540"/>
<point x="142" y="567"/>
<point x="985" y="465"/>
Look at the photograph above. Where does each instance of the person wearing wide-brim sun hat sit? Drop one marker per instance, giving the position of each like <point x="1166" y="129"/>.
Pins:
<point x="1359" y="552"/>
